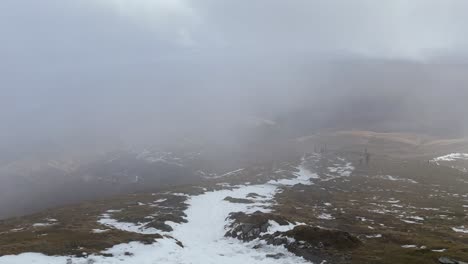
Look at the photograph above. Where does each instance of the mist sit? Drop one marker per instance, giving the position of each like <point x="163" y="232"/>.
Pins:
<point x="86" y="77"/>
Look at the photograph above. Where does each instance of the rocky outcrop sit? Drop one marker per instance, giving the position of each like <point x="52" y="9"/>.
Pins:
<point x="313" y="243"/>
<point x="248" y="227"/>
<point x="159" y="221"/>
<point x="323" y="238"/>
<point x="238" y="200"/>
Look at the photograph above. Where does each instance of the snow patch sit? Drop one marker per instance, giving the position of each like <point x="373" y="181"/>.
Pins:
<point x="99" y="231"/>
<point x="452" y="157"/>
<point x="140" y="228"/>
<point x="344" y="170"/>
<point x="396" y="178"/>
<point x="461" y="229"/>
<point x="409" y="246"/>
<point x="374" y="236"/>
<point x="325" y="216"/>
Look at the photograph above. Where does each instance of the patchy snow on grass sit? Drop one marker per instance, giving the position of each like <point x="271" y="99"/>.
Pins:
<point x="230" y="173"/>
<point x="396" y="178"/>
<point x="140" y="228"/>
<point x="344" y="170"/>
<point x="374" y="236"/>
<point x="202" y="236"/>
<point x="302" y="177"/>
<point x="325" y="216"/>
<point x="48" y="222"/>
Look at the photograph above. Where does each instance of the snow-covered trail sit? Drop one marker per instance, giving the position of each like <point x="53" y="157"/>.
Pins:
<point x="202" y="236"/>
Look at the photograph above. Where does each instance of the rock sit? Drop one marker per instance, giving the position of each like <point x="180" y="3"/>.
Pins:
<point x="278" y="240"/>
<point x="249" y="227"/>
<point x="159" y="225"/>
<point x="238" y="200"/>
<point x="180" y="244"/>
<point x="275" y="256"/>
<point x="257" y="246"/>
<point x="324" y="238"/>
<point x="255" y="195"/>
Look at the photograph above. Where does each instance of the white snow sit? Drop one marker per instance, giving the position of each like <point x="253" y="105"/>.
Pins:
<point x="202" y="236"/>
<point x="374" y="236"/>
<point x="344" y="170"/>
<point x="395" y="178"/>
<point x="461" y="229"/>
<point x="439" y="250"/>
<point x="275" y="227"/>
<point x="452" y="157"/>
<point x="302" y="177"/>
<point x="126" y="226"/>
<point x="409" y="246"/>
<point x="113" y="211"/>
<point x="325" y="216"/>
<point x="230" y="173"/>
<point x="99" y="231"/>
<point x="180" y="194"/>
<point x="409" y="221"/>
<point x="430" y="209"/>
<point x="418" y="218"/>
<point x="48" y="222"/>
<point x="42" y="224"/>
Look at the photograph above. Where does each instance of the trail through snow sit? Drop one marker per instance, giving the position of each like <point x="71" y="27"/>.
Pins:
<point x="202" y="236"/>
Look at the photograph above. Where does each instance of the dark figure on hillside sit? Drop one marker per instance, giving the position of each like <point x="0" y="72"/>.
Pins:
<point x="367" y="158"/>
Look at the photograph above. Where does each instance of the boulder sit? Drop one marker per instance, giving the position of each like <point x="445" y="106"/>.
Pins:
<point x="248" y="227"/>
<point x="275" y="256"/>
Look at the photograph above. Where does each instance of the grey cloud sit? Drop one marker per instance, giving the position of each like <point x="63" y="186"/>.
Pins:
<point x="114" y="69"/>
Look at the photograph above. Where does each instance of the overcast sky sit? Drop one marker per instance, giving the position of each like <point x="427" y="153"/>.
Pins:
<point x="90" y="66"/>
